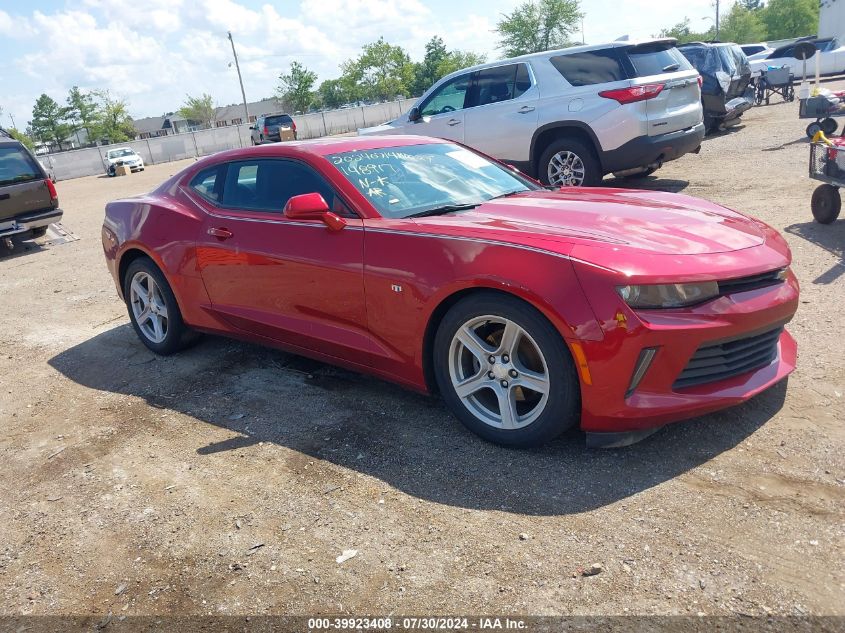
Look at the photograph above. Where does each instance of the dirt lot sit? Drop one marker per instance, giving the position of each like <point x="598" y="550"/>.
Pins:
<point x="228" y="479"/>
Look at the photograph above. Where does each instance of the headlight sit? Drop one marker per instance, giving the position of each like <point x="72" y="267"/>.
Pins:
<point x="668" y="295"/>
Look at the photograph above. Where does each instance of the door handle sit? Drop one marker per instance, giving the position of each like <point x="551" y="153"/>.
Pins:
<point x="453" y="122"/>
<point x="220" y="234"/>
<point x="526" y="109"/>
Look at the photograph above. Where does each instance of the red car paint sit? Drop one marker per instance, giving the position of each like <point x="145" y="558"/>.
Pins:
<point x="332" y="294"/>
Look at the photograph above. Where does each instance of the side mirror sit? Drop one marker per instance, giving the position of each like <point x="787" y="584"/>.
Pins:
<point x="414" y="114"/>
<point x="312" y="206"/>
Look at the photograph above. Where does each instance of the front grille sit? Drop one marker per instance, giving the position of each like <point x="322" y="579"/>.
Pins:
<point x="718" y="361"/>
<point x="752" y="282"/>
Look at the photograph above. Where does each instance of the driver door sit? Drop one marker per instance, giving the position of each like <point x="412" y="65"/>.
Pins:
<point x="443" y="111"/>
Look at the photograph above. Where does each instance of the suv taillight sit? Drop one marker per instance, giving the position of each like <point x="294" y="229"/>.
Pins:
<point x="700" y="81"/>
<point x="633" y="94"/>
<point x="51" y="188"/>
<point x="293" y="125"/>
<point x="266" y="131"/>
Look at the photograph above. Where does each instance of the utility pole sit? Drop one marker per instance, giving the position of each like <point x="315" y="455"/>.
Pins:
<point x="717" y="20"/>
<point x="240" y="79"/>
<point x="14" y="127"/>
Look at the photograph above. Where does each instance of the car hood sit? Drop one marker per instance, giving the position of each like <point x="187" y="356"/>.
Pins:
<point x="657" y="222"/>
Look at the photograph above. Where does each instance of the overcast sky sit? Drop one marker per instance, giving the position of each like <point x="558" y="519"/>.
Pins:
<point x="153" y="52"/>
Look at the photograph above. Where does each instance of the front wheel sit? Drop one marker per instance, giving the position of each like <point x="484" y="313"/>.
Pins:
<point x="505" y="372"/>
<point x="826" y="204"/>
<point x="570" y="163"/>
<point x="153" y="309"/>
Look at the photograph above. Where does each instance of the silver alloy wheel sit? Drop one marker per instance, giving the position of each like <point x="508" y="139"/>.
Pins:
<point x="499" y="372"/>
<point x="148" y="307"/>
<point x="566" y="169"/>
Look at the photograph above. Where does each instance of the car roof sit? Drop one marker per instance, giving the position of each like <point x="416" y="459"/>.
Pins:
<point x="584" y="48"/>
<point x="322" y="147"/>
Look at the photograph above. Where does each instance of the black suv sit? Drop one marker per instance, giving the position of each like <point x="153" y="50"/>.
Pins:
<point x="28" y="199"/>
<point x="272" y="128"/>
<point x="726" y="90"/>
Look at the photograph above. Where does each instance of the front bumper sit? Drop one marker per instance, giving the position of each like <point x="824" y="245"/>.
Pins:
<point x="29" y="221"/>
<point x="649" y="150"/>
<point x="610" y="405"/>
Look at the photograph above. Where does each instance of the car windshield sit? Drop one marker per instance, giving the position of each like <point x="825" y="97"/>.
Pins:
<point x="425" y="179"/>
<point x="16" y="166"/>
<point x="117" y="153"/>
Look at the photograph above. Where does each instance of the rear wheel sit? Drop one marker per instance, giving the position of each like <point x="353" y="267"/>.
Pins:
<point x="826" y="203"/>
<point x="41" y="231"/>
<point x="813" y="129"/>
<point x="505" y="372"/>
<point x="829" y="126"/>
<point x="570" y="163"/>
<point x="153" y="309"/>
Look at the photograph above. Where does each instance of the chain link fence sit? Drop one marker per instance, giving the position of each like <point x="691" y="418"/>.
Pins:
<point x="164" y="149"/>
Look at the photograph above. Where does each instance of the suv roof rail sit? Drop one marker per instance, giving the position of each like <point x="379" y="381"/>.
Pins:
<point x="3" y="132"/>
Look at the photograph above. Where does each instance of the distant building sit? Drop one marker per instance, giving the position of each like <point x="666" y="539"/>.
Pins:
<point x="224" y="116"/>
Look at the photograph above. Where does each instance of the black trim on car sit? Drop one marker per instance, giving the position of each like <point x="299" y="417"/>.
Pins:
<point x="647" y="150"/>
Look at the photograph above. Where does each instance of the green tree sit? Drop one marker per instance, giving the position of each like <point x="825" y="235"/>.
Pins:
<point x="683" y="33"/>
<point x="82" y="112"/>
<point x="742" y="26"/>
<point x="22" y="137"/>
<point x="790" y="18"/>
<point x="457" y="60"/>
<point x="332" y="93"/>
<point x="200" y="109"/>
<point x="296" y="87"/>
<point x="751" y="5"/>
<point x="382" y="72"/>
<point x="427" y="71"/>
<point x="114" y="122"/>
<point x="538" y="25"/>
<point x="49" y="120"/>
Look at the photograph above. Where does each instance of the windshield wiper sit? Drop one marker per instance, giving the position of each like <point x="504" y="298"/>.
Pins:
<point x="448" y="208"/>
<point x="509" y="193"/>
<point x="671" y="68"/>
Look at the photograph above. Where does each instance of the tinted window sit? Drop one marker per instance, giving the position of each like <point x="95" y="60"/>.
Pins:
<point x="786" y="51"/>
<point x="279" y="119"/>
<point x="16" y="165"/>
<point x="267" y="185"/>
<point x="207" y="184"/>
<point x="657" y="60"/>
<point x="494" y="85"/>
<point x="448" y="98"/>
<point x="594" y="67"/>
<point x="753" y="50"/>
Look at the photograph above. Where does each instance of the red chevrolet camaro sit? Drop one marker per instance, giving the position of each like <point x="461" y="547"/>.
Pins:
<point x="425" y="263"/>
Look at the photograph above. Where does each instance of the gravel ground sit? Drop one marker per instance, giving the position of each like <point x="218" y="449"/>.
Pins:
<point x="229" y="479"/>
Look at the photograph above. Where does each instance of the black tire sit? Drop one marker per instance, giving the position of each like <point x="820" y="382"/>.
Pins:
<point x="829" y="126"/>
<point x="41" y="231"/>
<point x="562" y="408"/>
<point x="826" y="204"/>
<point x="813" y="129"/>
<point x="592" y="168"/>
<point x="178" y="335"/>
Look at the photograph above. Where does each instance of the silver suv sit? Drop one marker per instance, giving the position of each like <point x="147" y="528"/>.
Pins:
<point x="570" y="116"/>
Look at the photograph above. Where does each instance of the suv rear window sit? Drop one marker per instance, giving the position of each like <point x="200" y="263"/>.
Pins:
<point x="592" y="67"/>
<point x="278" y="119"/>
<point x="657" y="60"/>
<point x="16" y="165"/>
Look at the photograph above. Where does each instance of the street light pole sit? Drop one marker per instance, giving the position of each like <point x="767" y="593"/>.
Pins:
<point x="717" y="20"/>
<point x="240" y="79"/>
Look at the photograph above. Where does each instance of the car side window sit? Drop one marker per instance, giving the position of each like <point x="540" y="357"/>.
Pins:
<point x="495" y="85"/>
<point x="449" y="97"/>
<point x="268" y="184"/>
<point x="593" y="67"/>
<point x="208" y="184"/>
